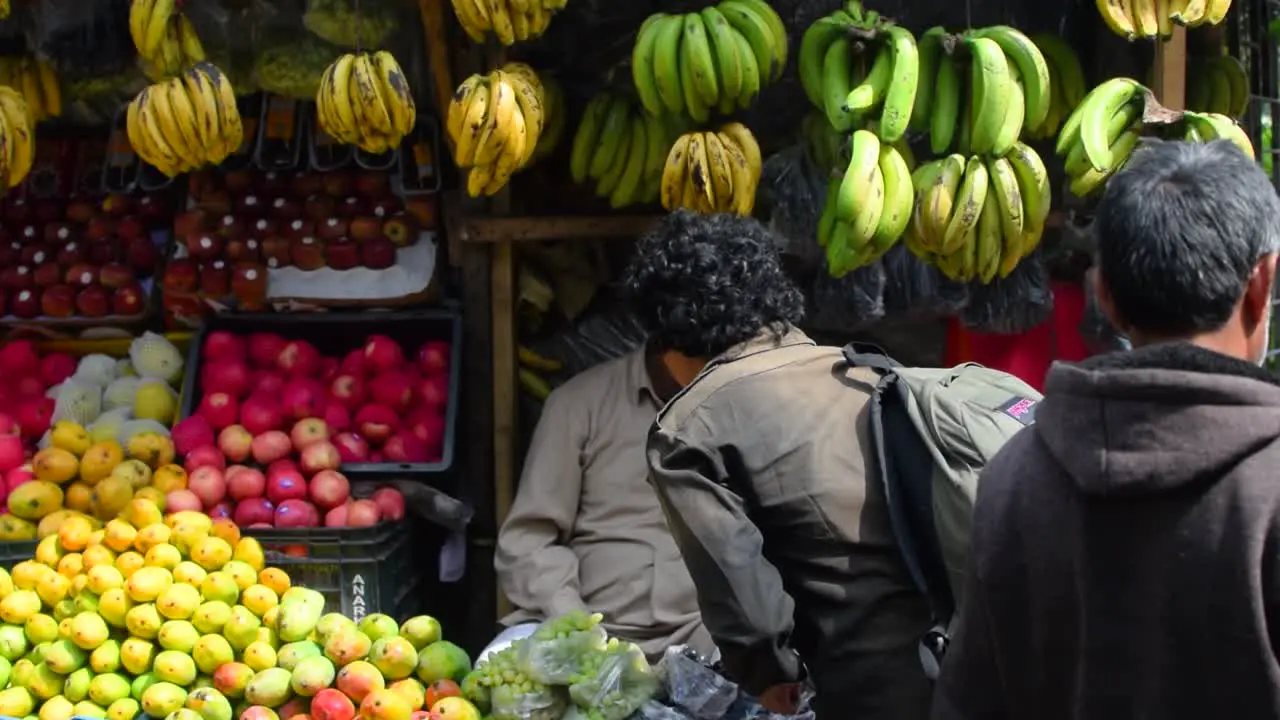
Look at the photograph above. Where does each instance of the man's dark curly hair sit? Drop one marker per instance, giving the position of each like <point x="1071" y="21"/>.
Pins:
<point x="701" y="284"/>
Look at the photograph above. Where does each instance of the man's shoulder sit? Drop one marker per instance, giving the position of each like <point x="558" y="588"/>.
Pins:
<point x="757" y="375"/>
<point x="599" y="380"/>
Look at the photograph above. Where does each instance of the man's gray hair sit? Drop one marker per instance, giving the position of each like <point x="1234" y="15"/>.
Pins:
<point x="1179" y="231"/>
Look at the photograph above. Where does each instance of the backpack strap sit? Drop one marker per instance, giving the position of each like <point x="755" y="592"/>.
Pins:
<point x="906" y="469"/>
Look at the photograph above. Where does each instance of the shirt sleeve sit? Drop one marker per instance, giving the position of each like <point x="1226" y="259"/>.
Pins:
<point x="536" y="569"/>
<point x="740" y="593"/>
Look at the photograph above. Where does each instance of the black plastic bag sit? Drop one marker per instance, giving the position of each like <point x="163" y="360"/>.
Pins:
<point x="848" y="303"/>
<point x="1013" y="304"/>
<point x="915" y="289"/>
<point x="793" y="190"/>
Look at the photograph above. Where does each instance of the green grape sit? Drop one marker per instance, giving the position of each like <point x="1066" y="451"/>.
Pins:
<point x="561" y="627"/>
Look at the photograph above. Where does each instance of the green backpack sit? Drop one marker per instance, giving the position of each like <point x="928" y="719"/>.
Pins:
<point x="933" y="431"/>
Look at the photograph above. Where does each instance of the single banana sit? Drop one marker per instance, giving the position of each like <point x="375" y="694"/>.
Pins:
<point x="750" y="72"/>
<point x="587" y="137"/>
<point x="231" y="129"/>
<point x="613" y="132"/>
<point x="745" y="179"/>
<point x="861" y="199"/>
<point x="629" y="185"/>
<point x="698" y="62"/>
<point x="946" y="105"/>
<point x="1144" y="18"/>
<point x="642" y="60"/>
<point x="968" y="205"/>
<point x="742" y="137"/>
<point x="870" y="92"/>
<point x="1164" y="22"/>
<point x="987" y="238"/>
<point x="394" y="88"/>
<point x="1096" y="111"/>
<point x="1215" y="12"/>
<point x="1190" y="14"/>
<point x="50" y="89"/>
<point x="837" y="84"/>
<point x="608" y="182"/>
<point x="724" y="46"/>
<point x="1032" y="70"/>
<point x="166" y="159"/>
<point x="473" y="16"/>
<point x="938" y="201"/>
<point x="500" y="123"/>
<point x="368" y="95"/>
<point x="700" y="173"/>
<point x="1006" y="195"/>
<point x="30" y="88"/>
<point x="777" y="28"/>
<point x="989" y="91"/>
<point x="157" y="26"/>
<point x="1215" y="126"/>
<point x="900" y="98"/>
<point x="1064" y="60"/>
<point x="813" y="49"/>
<point x="500" y="21"/>
<point x="666" y="63"/>
<point x="675" y="173"/>
<point x="521" y="24"/>
<point x="192" y="48"/>
<point x="1034" y="189"/>
<point x="170" y="125"/>
<point x="721" y="171"/>
<point x="139" y="15"/>
<point x="1077" y="162"/>
<point x="204" y="99"/>
<point x="1014" y="119"/>
<point x="475" y="120"/>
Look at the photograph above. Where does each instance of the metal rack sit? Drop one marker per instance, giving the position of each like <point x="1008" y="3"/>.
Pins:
<point x="1253" y="39"/>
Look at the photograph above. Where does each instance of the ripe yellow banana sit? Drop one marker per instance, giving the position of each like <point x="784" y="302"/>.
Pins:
<point x="367" y="93"/>
<point x="394" y="87"/>
<point x="501" y="122"/>
<point x="1118" y="16"/>
<point x="204" y="99"/>
<point x="167" y="121"/>
<point x="50" y="90"/>
<point x="968" y="206"/>
<point x="157" y="26"/>
<point x="475" y="117"/>
<point x="675" y="173"/>
<point x="21" y="141"/>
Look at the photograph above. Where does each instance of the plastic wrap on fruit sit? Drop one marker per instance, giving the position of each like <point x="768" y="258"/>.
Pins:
<point x="914" y="289"/>
<point x="510" y="702"/>
<point x="554" y="654"/>
<point x="1013" y="304"/>
<point x="613" y="683"/>
<point x="293" y="69"/>
<point x="693" y="687"/>
<point x="654" y="710"/>
<point x="350" y="23"/>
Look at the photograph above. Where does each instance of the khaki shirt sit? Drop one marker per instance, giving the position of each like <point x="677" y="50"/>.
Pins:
<point x="586" y="530"/>
<point x="762" y="464"/>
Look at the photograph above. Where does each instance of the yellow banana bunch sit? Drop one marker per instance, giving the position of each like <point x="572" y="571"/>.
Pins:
<point x="714" y="60"/>
<point x="4" y="9"/>
<point x="497" y="121"/>
<point x="364" y="100"/>
<point x="186" y="122"/>
<point x="712" y="172"/>
<point x="512" y="21"/>
<point x="1066" y="84"/>
<point x="37" y="82"/>
<point x="17" y="138"/>
<point x="1133" y="19"/>
<point x="974" y="218"/>
<point x="622" y="150"/>
<point x="1218" y="85"/>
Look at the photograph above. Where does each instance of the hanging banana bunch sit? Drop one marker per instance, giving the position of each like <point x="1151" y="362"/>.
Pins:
<point x="185" y="122"/>
<point x="167" y="43"/>
<point x="364" y="100"/>
<point x="37" y="81"/>
<point x="497" y="122"/>
<point x="17" y="138"/>
<point x="713" y="172"/>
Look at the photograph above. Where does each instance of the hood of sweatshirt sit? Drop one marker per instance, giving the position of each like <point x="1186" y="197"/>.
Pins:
<point x="1157" y="418"/>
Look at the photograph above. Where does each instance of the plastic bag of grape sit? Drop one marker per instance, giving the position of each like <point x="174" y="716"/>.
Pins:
<point x="498" y="687"/>
<point x="614" y="682"/>
<point x="553" y="655"/>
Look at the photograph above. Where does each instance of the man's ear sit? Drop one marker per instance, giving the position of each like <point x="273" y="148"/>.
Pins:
<point x="1257" y="293"/>
<point x="1103" y="295"/>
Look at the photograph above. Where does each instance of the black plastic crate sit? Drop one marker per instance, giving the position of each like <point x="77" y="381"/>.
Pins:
<point x="14" y="552"/>
<point x="337" y="334"/>
<point x="360" y="571"/>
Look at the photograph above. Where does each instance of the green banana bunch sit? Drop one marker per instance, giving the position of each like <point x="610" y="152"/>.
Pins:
<point x="622" y="149"/>
<point x="1098" y="137"/>
<point x="856" y="67"/>
<point x="496" y="122"/>
<point x="715" y="60"/>
<point x="1218" y="85"/>
<point x="974" y="218"/>
<point x="868" y="208"/>
<point x="990" y="85"/>
<point x="1066" y="84"/>
<point x="186" y="122"/>
<point x="1207" y="127"/>
<point x="712" y="172"/>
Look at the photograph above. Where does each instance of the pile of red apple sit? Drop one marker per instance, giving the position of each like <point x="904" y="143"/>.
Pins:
<point x="378" y="404"/>
<point x="25" y="411"/>
<point x="276" y="479"/>
<point x="62" y="259"/>
<point x="246" y="221"/>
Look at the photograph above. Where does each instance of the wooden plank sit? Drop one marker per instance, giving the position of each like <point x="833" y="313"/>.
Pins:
<point x="502" y="296"/>
<point x="1171" y="70"/>
<point x="433" y="17"/>
<point x="527" y="229"/>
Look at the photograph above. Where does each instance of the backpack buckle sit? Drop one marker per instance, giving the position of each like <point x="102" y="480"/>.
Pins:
<point x="932" y="649"/>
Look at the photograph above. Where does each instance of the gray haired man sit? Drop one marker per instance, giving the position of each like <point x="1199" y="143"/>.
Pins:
<point x="1125" y="554"/>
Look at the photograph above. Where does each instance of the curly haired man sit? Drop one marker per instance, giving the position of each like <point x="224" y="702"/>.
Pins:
<point x="760" y="465"/>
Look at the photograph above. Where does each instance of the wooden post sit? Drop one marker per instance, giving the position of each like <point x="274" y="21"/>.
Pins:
<point x="1171" y="70"/>
<point x="433" y="29"/>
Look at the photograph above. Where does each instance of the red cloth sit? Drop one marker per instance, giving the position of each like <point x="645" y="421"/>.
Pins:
<point x="1027" y="355"/>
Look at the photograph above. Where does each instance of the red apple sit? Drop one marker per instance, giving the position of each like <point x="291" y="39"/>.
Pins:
<point x="93" y="301"/>
<point x="25" y="304"/>
<point x="204" y="456"/>
<point x="295" y="513"/>
<point x="58" y="301"/>
<point x="142" y="255"/>
<point x="220" y="409"/>
<point x="382" y="354"/>
<point x="221" y="345"/>
<point x="181" y="276"/>
<point x="376" y="423"/>
<point x="307" y="432"/>
<point x="378" y="254"/>
<point x="320" y="456"/>
<point x="261" y="414"/>
<point x="351" y="447"/>
<point x="129" y="300"/>
<point x="246" y="484"/>
<point x="298" y="358"/>
<point x="236" y="443"/>
<point x="363" y="513"/>
<point x="191" y="433"/>
<point x="329" y="489"/>
<point x="307" y="253"/>
<point x="71" y="254"/>
<point x="270" y="446"/>
<point x="250" y="512"/>
<point x="285" y="483"/>
<point x="47" y="275"/>
<point x="82" y="275"/>
<point x="205" y="247"/>
<point x="226" y="375"/>
<point x="116" y="275"/>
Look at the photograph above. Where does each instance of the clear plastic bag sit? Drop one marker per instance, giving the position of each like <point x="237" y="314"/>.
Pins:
<point x="506" y="702"/>
<point x="1013" y="304"/>
<point x="292" y="68"/>
<point x="793" y="190"/>
<point x="654" y="710"/>
<point x="552" y="656"/>
<point x="351" y="23"/>
<point x="614" y="683"/>
<point x="849" y="303"/>
<point x="693" y="687"/>
<point x="915" y="289"/>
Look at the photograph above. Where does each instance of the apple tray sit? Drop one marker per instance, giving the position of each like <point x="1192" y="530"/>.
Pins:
<point x="79" y="322"/>
<point x="338" y="332"/>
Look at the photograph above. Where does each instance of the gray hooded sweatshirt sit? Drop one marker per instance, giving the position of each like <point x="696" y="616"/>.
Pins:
<point x="1126" y="549"/>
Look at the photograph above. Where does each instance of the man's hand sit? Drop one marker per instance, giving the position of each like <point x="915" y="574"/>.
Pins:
<point x="783" y="699"/>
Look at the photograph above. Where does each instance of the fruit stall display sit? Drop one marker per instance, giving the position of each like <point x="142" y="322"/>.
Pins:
<point x="179" y="615"/>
